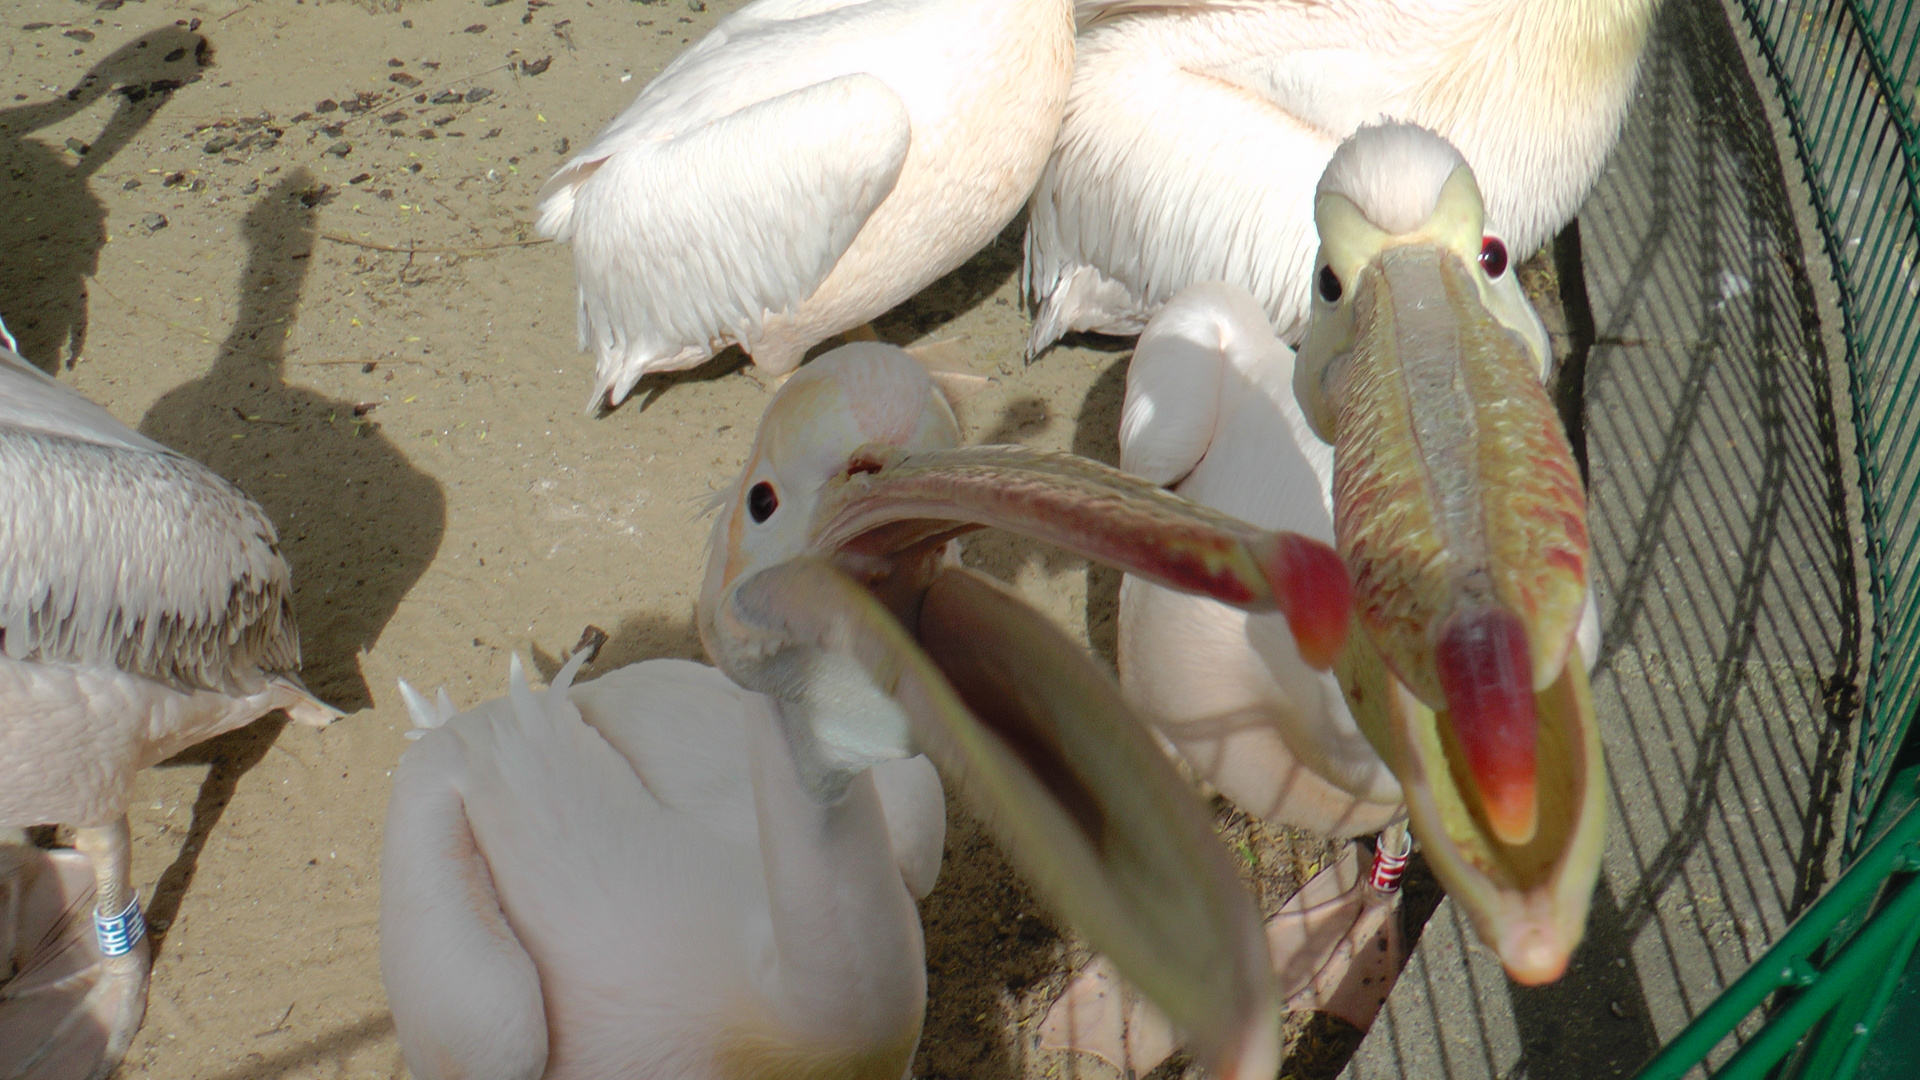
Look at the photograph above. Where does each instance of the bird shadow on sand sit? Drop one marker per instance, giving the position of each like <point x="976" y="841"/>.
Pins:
<point x="54" y="225"/>
<point x="357" y="521"/>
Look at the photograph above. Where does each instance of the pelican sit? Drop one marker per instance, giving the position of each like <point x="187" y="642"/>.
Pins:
<point x="829" y="593"/>
<point x="1451" y="491"/>
<point x="800" y="170"/>
<point x="1197" y="128"/>
<point x="144" y="607"/>
<point x="601" y="879"/>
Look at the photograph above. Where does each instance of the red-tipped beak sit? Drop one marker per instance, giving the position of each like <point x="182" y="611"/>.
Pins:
<point x="1100" y="513"/>
<point x="1486" y="675"/>
<point x="1313" y="592"/>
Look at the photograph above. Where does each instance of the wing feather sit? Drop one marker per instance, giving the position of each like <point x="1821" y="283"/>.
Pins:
<point x="121" y="552"/>
<point x="686" y="243"/>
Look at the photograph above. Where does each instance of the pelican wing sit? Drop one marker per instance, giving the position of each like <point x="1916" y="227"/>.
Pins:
<point x="121" y="552"/>
<point x="684" y="242"/>
<point x="465" y="994"/>
<point x="1157" y="184"/>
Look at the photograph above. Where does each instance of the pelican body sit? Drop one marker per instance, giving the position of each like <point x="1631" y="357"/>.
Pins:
<point x="803" y="168"/>
<point x="144" y="607"/>
<point x="1197" y="129"/>
<point x="625" y="878"/>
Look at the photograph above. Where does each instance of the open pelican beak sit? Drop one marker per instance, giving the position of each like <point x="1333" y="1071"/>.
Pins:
<point x="907" y="500"/>
<point x="1460" y="513"/>
<point x="1040" y="744"/>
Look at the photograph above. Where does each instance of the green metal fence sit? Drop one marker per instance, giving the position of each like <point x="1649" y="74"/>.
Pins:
<point x="1845" y="75"/>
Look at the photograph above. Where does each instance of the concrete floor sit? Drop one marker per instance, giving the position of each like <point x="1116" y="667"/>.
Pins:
<point x="1726" y="544"/>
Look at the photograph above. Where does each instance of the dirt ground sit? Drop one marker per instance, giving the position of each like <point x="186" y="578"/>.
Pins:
<point x="292" y="239"/>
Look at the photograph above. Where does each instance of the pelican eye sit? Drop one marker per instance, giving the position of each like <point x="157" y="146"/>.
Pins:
<point x="1493" y="257"/>
<point x="1329" y="285"/>
<point x="761" y="501"/>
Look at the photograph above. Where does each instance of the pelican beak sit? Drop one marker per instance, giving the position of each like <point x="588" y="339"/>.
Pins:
<point x="894" y="502"/>
<point x="1039" y="743"/>
<point x="1460" y="513"/>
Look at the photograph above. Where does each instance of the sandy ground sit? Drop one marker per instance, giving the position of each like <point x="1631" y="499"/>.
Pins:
<point x="201" y="206"/>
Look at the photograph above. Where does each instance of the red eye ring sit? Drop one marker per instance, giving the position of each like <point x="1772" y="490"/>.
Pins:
<point x="1493" y="257"/>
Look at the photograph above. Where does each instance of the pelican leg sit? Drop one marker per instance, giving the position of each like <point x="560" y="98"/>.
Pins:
<point x="1336" y="948"/>
<point x="1336" y="943"/>
<point x="67" y="1010"/>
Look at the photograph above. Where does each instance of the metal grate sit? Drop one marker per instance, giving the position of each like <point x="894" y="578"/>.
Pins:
<point x="1844" y="72"/>
<point x="1845" y="75"/>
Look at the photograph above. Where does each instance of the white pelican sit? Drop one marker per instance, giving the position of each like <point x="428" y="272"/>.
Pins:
<point x="829" y="590"/>
<point x="1194" y="136"/>
<point x="803" y="168"/>
<point x="144" y="607"/>
<point x="1453" y="495"/>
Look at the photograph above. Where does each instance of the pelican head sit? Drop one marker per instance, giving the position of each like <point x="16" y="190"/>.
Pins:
<point x="1460" y="512"/>
<point x="829" y="587"/>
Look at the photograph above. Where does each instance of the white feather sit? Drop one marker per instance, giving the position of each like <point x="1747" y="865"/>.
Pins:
<point x="1195" y="134"/>
<point x="801" y="169"/>
<point x="624" y="877"/>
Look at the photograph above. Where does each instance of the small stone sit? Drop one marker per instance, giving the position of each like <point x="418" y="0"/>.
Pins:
<point x="199" y="184"/>
<point x="394" y="117"/>
<point x="326" y="106"/>
<point x="478" y="93"/>
<point x="302" y="118"/>
<point x="448" y="97"/>
<point x="361" y="179"/>
<point x="565" y="144"/>
<point x="77" y="146"/>
<point x="78" y="35"/>
<point x="340" y="149"/>
<point x="536" y="67"/>
<point x="396" y="62"/>
<point x="403" y="79"/>
<point x="406" y="24"/>
<point x="386" y="194"/>
<point x="252" y="186"/>
<point x="32" y="26"/>
<point x="491" y="3"/>
<point x="154" y="222"/>
<point x="476" y="28"/>
<point x="219" y="143"/>
<point x="333" y="131"/>
<point x="174" y="180"/>
<point x="129" y="185"/>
